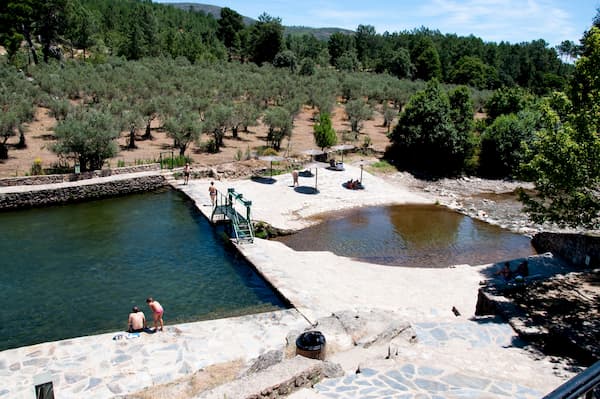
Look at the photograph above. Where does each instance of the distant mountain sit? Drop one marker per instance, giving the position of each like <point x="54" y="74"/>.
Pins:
<point x="215" y="11"/>
<point x="319" y="33"/>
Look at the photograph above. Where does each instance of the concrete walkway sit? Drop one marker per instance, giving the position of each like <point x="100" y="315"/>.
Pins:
<point x="84" y="182"/>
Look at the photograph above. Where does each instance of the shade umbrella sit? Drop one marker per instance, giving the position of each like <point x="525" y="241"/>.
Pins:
<point x="313" y="152"/>
<point x="342" y="148"/>
<point x="271" y="158"/>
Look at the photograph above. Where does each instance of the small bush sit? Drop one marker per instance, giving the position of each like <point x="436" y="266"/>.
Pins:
<point x="383" y="166"/>
<point x="210" y="146"/>
<point x="238" y="155"/>
<point x="269" y="151"/>
<point x="120" y="163"/>
<point x="36" y="167"/>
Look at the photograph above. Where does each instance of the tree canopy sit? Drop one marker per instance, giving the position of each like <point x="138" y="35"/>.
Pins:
<point x="565" y="156"/>
<point x="428" y="138"/>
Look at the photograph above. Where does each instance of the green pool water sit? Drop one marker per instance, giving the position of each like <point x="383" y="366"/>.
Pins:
<point x="411" y="235"/>
<point x="77" y="270"/>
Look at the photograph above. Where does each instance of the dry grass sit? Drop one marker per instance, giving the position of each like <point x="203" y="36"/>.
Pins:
<point x="194" y="384"/>
<point x="39" y="138"/>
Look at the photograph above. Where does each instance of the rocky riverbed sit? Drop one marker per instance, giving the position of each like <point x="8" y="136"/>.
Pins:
<point x="493" y="201"/>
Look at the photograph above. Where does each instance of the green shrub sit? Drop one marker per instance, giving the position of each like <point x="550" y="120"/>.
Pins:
<point x="36" y="167"/>
<point x="238" y="155"/>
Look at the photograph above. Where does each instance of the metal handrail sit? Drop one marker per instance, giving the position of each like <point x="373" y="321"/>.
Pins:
<point x="228" y="202"/>
<point x="582" y="385"/>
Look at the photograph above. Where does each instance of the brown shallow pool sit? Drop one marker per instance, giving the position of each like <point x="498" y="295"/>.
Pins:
<point x="411" y="235"/>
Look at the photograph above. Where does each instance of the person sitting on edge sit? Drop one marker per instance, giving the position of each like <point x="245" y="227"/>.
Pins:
<point x="157" y="311"/>
<point x="505" y="272"/>
<point x="137" y="321"/>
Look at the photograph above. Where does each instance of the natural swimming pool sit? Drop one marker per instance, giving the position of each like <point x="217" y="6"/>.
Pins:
<point x="411" y="235"/>
<point x="75" y="270"/>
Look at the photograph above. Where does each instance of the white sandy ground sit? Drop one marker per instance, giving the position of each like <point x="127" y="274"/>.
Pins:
<point x="280" y="205"/>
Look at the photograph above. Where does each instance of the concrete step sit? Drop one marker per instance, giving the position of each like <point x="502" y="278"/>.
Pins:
<point x="278" y="380"/>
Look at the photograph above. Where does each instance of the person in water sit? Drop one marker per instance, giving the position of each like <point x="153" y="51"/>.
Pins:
<point x="157" y="312"/>
<point x="137" y="321"/>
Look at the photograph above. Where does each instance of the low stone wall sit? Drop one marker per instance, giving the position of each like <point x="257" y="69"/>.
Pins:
<point x="577" y="249"/>
<point x="52" y="179"/>
<point x="81" y="192"/>
<point x="277" y="381"/>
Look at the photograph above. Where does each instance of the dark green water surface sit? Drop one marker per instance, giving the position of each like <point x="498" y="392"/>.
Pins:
<point x="76" y="270"/>
<point x="411" y="235"/>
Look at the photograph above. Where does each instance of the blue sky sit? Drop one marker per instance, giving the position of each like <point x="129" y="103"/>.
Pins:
<point x="493" y="20"/>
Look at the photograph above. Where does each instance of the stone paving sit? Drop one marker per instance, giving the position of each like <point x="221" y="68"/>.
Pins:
<point x="434" y="382"/>
<point x="419" y="382"/>
<point x="99" y="366"/>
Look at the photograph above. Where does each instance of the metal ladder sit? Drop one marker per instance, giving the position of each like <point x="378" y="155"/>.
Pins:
<point x="225" y="209"/>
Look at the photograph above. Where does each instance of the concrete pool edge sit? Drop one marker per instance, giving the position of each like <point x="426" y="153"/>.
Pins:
<point x="98" y="366"/>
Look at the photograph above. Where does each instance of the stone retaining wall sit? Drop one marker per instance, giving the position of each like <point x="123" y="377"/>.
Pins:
<point x="52" y="179"/>
<point x="82" y="192"/>
<point x="277" y="381"/>
<point x="573" y="248"/>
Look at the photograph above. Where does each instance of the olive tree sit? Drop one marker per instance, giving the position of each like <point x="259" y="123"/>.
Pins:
<point x="184" y="129"/>
<point x="87" y="135"/>
<point x="279" y="123"/>
<point x="216" y="122"/>
<point x="357" y="111"/>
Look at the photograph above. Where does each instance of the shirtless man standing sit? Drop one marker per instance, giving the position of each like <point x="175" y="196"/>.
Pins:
<point x="137" y="320"/>
<point x="212" y="191"/>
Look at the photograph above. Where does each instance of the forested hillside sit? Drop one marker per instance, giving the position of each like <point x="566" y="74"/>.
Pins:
<point x="136" y="28"/>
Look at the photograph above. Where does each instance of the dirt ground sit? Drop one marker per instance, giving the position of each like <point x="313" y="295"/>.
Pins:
<point x="39" y="139"/>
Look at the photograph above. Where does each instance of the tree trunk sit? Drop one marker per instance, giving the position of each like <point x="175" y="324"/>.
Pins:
<point x="21" y="143"/>
<point x="234" y="132"/>
<point x="148" y="134"/>
<point x="131" y="145"/>
<point x="3" y="151"/>
<point x="27" y="36"/>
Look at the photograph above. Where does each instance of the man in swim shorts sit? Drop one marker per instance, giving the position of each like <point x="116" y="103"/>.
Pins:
<point x="186" y="173"/>
<point x="137" y="320"/>
<point x="212" y="190"/>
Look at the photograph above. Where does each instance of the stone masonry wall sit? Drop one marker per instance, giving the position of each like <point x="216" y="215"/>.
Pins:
<point x="61" y="195"/>
<point x="51" y="179"/>
<point x="573" y="248"/>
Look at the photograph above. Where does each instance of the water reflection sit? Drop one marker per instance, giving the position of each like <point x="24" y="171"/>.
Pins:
<point x="411" y="235"/>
